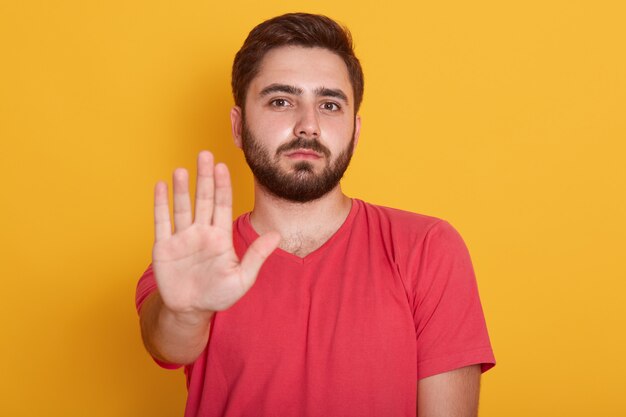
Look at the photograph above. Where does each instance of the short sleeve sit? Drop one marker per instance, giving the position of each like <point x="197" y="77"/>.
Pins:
<point x="146" y="286"/>
<point x="450" y="325"/>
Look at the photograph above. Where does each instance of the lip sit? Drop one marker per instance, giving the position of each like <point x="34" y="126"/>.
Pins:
<point x="303" y="154"/>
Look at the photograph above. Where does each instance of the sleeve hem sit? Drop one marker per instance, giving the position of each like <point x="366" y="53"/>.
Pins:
<point x="146" y="287"/>
<point x="434" y="366"/>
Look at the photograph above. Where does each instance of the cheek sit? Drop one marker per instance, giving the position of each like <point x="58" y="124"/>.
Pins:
<point x="271" y="129"/>
<point x="338" y="131"/>
<point x="276" y="133"/>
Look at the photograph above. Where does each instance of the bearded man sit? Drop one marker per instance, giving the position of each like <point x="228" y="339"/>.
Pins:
<point x="314" y="303"/>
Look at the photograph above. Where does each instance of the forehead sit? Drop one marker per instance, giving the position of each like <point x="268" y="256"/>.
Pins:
<point x="303" y="67"/>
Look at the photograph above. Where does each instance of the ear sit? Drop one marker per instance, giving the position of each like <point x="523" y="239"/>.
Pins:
<point x="357" y="129"/>
<point x="236" y="125"/>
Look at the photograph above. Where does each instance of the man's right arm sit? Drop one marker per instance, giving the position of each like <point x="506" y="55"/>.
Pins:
<point x="196" y="269"/>
<point x="170" y="337"/>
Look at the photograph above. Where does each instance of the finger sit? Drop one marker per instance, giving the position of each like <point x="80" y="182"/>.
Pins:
<point x="182" y="205"/>
<point x="223" y="213"/>
<point x="162" y="224"/>
<point x="256" y="254"/>
<point x="205" y="188"/>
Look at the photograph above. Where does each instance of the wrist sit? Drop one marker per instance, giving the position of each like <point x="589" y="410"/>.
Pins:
<point x="191" y="318"/>
<point x="185" y="318"/>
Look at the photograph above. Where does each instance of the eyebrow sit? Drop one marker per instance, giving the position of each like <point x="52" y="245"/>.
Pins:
<point x="297" y="91"/>
<point x="281" y="88"/>
<point x="331" y="92"/>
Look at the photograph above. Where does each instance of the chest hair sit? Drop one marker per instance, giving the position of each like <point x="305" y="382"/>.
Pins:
<point x="301" y="245"/>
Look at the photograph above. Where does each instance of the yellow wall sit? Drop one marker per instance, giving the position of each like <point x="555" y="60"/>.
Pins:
<point x="506" y="118"/>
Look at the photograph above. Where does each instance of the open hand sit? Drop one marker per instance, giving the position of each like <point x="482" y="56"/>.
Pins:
<point x="196" y="267"/>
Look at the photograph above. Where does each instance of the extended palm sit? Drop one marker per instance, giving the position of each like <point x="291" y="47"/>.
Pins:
<point x="196" y="268"/>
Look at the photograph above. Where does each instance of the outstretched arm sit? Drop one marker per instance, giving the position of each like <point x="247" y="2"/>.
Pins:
<point x="196" y="268"/>
<point x="450" y="394"/>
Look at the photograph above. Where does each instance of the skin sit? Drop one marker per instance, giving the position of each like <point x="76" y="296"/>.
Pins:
<point x="450" y="394"/>
<point x="278" y="117"/>
<point x="298" y="92"/>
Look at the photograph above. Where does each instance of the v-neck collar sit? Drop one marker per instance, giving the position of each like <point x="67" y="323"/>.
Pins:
<point x="250" y="235"/>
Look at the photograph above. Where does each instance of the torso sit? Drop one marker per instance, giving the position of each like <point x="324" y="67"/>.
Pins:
<point x="346" y="328"/>
<point x="300" y="245"/>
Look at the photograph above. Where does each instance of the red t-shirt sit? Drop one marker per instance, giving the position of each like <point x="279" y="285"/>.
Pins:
<point x="347" y="330"/>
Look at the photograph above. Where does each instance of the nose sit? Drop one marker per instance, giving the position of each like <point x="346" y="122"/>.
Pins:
<point x="307" y="123"/>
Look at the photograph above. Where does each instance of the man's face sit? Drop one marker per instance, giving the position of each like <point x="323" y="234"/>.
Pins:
<point x="298" y="128"/>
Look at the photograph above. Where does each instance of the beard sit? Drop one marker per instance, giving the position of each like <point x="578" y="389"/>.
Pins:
<point x="301" y="184"/>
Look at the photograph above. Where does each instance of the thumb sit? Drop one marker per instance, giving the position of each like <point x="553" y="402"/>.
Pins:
<point x="257" y="253"/>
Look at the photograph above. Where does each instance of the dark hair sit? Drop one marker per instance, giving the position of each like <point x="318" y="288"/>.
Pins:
<point x="300" y="29"/>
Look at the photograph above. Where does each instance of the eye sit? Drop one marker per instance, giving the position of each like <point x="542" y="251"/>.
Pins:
<point x="279" y="102"/>
<point x="331" y="106"/>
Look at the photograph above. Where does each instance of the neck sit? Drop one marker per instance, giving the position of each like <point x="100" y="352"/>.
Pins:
<point x="304" y="227"/>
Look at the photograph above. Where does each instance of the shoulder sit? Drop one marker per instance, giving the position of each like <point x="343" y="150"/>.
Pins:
<point x="404" y="229"/>
<point x="399" y="221"/>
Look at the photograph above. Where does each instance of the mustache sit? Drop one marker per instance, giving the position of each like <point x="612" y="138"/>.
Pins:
<point x="302" y="143"/>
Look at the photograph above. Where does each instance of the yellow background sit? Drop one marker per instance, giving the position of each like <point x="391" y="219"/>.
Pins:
<point x="505" y="118"/>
